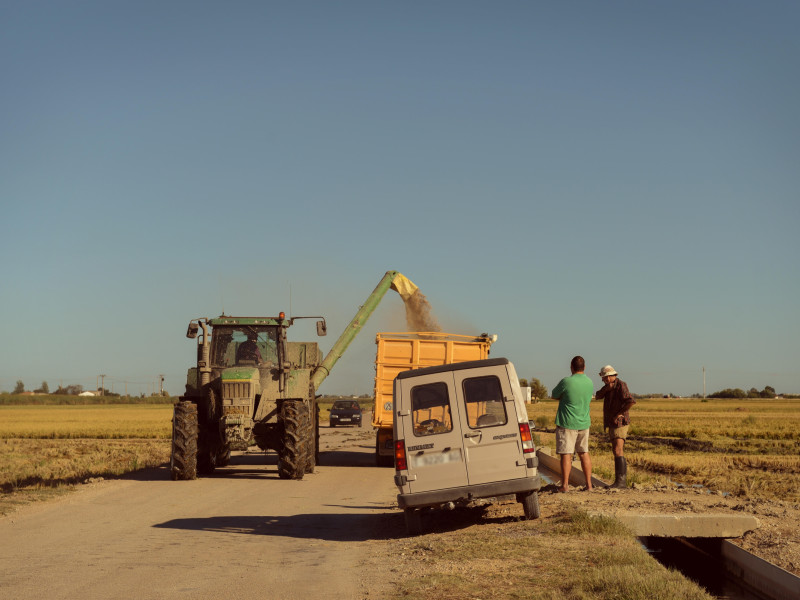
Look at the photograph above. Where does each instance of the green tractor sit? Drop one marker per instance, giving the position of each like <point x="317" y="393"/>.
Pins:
<point x="251" y="386"/>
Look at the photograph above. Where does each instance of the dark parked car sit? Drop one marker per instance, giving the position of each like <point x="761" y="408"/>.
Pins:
<point x="345" y="412"/>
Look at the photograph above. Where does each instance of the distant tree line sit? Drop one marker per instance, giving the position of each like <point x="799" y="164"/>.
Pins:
<point x="767" y="392"/>
<point x="70" y="390"/>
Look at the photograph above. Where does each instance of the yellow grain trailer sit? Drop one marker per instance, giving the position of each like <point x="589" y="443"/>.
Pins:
<point x="399" y="352"/>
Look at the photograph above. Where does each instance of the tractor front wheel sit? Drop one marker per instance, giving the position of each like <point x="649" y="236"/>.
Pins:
<point x="293" y="455"/>
<point x="183" y="458"/>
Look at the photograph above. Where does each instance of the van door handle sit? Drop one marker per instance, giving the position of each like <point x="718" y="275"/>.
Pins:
<point x="472" y="434"/>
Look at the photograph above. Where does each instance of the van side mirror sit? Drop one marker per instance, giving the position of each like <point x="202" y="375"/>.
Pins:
<point x="322" y="328"/>
<point x="191" y="333"/>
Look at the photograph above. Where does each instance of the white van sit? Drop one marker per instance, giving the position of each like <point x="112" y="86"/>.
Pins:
<point x="461" y="433"/>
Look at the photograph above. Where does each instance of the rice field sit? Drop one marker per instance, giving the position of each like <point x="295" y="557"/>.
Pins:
<point x="47" y="449"/>
<point x="95" y="421"/>
<point x="747" y="447"/>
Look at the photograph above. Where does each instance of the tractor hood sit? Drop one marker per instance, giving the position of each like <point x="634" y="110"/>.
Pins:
<point x="239" y="374"/>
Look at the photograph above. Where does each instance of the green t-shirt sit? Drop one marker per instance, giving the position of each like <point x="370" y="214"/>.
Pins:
<point x="574" y="395"/>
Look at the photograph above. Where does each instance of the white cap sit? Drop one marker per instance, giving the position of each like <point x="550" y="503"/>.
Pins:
<point x="607" y="370"/>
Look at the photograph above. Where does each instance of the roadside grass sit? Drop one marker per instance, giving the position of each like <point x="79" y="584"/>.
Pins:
<point x="570" y="556"/>
<point x="729" y="446"/>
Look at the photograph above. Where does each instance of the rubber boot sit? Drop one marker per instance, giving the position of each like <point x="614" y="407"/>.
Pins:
<point x="620" y="473"/>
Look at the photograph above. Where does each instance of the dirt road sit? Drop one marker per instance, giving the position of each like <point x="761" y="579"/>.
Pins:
<point x="241" y="533"/>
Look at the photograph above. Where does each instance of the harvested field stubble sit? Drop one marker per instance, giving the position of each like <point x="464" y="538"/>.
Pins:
<point x="47" y="448"/>
<point x="745" y="447"/>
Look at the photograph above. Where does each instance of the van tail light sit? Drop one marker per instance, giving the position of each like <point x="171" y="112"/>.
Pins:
<point x="527" y="440"/>
<point x="400" y="463"/>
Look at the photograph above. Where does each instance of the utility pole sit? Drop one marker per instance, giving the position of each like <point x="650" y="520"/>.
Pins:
<point x="704" y="382"/>
<point x="102" y="385"/>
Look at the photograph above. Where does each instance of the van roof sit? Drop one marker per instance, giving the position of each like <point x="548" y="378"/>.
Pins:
<point x="489" y="362"/>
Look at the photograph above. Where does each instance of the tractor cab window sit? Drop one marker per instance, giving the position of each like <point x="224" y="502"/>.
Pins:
<point x="244" y="345"/>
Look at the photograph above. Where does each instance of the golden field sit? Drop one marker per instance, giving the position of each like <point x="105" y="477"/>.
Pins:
<point x="46" y="449"/>
<point x="747" y="447"/>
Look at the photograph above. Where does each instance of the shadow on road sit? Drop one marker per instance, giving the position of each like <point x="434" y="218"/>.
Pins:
<point x="259" y="465"/>
<point x="328" y="527"/>
<point x="346" y="458"/>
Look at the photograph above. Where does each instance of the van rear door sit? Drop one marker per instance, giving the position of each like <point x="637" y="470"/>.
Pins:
<point x="432" y="433"/>
<point x="488" y="415"/>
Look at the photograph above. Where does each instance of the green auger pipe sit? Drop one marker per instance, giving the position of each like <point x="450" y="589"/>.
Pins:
<point x="392" y="279"/>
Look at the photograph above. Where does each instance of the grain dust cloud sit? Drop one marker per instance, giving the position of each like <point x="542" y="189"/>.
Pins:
<point x="419" y="314"/>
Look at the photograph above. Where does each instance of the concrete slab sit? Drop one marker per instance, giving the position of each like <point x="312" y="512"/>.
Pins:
<point x="706" y="525"/>
<point x="553" y="464"/>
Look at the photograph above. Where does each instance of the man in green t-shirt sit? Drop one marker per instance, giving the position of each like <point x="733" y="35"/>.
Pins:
<point x="574" y="394"/>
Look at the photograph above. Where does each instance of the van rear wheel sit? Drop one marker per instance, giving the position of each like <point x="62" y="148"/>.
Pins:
<point x="530" y="506"/>
<point x="413" y="520"/>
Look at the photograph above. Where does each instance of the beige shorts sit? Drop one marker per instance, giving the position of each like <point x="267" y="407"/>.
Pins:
<point x="570" y="441"/>
<point x="618" y="432"/>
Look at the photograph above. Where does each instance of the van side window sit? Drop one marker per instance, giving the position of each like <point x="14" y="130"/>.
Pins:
<point x="483" y="397"/>
<point x="430" y="409"/>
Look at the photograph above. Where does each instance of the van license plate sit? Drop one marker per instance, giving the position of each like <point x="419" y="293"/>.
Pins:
<point x="343" y="419"/>
<point x="427" y="460"/>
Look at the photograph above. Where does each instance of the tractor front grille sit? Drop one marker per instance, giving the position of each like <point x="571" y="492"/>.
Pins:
<point x="236" y="389"/>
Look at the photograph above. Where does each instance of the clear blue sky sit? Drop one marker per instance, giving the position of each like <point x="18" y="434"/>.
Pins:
<point x="618" y="180"/>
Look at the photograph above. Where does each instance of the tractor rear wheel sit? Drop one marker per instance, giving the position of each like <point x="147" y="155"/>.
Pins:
<point x="292" y="457"/>
<point x="183" y="459"/>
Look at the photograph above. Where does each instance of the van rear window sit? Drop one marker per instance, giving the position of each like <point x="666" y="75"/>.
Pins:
<point x="430" y="409"/>
<point x="483" y="397"/>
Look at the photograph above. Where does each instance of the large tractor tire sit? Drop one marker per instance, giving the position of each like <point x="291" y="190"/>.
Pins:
<point x="293" y="455"/>
<point x="209" y="442"/>
<point x="312" y="435"/>
<point x="183" y="459"/>
<point x="224" y="455"/>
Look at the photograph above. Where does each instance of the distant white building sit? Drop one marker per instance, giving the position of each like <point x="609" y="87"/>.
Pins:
<point x="87" y="394"/>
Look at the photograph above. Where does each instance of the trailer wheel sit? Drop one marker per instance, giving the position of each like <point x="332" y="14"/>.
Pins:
<point x="292" y="457"/>
<point x="413" y="520"/>
<point x="530" y="505"/>
<point x="183" y="458"/>
<point x="381" y="460"/>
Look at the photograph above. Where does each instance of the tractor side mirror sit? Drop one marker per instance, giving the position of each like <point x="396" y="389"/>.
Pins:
<point x="322" y="328"/>
<point x="191" y="333"/>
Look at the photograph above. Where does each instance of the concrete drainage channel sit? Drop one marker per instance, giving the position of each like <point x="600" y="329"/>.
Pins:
<point x="724" y="569"/>
<point x="696" y="545"/>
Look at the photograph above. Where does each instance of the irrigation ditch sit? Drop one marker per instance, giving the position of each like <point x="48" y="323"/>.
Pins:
<point x="723" y="569"/>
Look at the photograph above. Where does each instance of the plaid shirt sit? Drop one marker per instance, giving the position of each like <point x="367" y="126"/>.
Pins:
<point x="614" y="400"/>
